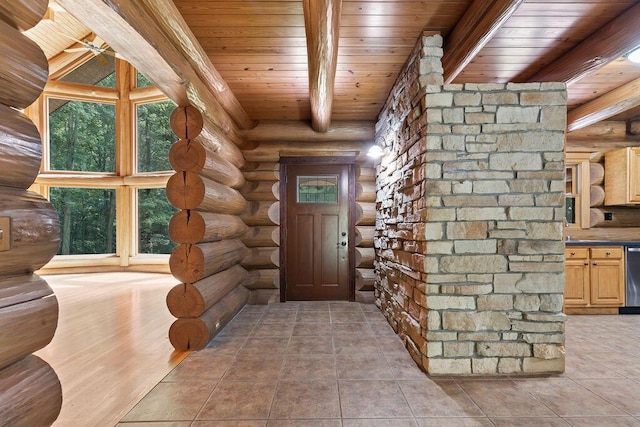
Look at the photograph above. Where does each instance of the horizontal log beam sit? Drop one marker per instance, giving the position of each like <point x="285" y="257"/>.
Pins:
<point x="364" y="236"/>
<point x="21" y="149"/>
<point x="259" y="257"/>
<point x="613" y="40"/>
<point x="30" y="327"/>
<point x="608" y="105"/>
<point x="23" y="14"/>
<point x="187" y="190"/>
<point x="192" y="300"/>
<point x="295" y="131"/>
<point x="191" y="263"/>
<point x="262" y="236"/>
<point x="190" y="226"/>
<point x="473" y="31"/>
<point x="30" y="393"/>
<point x="35" y="231"/>
<point x="192" y="156"/>
<point x="24" y="288"/>
<point x="24" y="70"/>
<point x="194" y="334"/>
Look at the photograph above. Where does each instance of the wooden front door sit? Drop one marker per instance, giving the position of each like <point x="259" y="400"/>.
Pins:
<point x="317" y="234"/>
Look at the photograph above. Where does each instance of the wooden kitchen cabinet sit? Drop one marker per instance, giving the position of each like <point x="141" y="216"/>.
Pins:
<point x="594" y="277"/>
<point x="622" y="176"/>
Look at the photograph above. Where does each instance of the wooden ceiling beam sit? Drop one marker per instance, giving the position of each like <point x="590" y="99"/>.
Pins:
<point x="322" y="24"/>
<point x="615" y="39"/>
<point x="608" y="105"/>
<point x="472" y="32"/>
<point x="132" y="31"/>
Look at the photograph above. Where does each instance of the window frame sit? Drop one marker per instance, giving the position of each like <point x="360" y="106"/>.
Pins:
<point x="125" y="180"/>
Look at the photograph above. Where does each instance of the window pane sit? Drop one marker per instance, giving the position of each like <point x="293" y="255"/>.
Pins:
<point x="87" y="220"/>
<point x="98" y="71"/>
<point x="142" y="81"/>
<point x="154" y="136"/>
<point x="318" y="189"/>
<point x="154" y="213"/>
<point x="82" y="136"/>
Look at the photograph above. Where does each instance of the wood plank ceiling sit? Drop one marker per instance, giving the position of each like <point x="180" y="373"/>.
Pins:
<point x="259" y="48"/>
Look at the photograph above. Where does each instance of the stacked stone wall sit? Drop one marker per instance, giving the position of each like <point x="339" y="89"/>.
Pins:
<point x="469" y="231"/>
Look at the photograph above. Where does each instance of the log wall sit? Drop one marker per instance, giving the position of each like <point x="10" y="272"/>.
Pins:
<point x="267" y="142"/>
<point x="30" y="392"/>
<point x="207" y="230"/>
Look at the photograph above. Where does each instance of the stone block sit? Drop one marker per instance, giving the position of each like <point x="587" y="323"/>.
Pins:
<point x="548" y="351"/>
<point x="544" y="338"/>
<point x="526" y="303"/>
<point x="475" y="246"/>
<point x="551" y="303"/>
<point x="531" y="214"/>
<point x="458" y="349"/>
<point x="479" y="118"/>
<point x="449" y="367"/>
<point x="530" y="141"/>
<point x="433" y="336"/>
<point x="473" y="264"/>
<point x="500" y="98"/>
<point x="540" y="327"/>
<point x="516" y="200"/>
<point x="533" y="365"/>
<point x="464" y="187"/>
<point x="467" y="289"/>
<point x="440" y="248"/>
<point x="508" y="365"/>
<point x="482" y="213"/>
<point x="544" y="247"/>
<point x="546" y="317"/>
<point x="541" y="283"/>
<point x="484" y="366"/>
<point x="529" y="186"/>
<point x="465" y="99"/>
<point x="471" y="201"/>
<point x="441" y="214"/>
<point x="467" y="230"/>
<point x="453" y="115"/>
<point x="450" y="302"/>
<point x="475" y="321"/>
<point x="515" y="161"/>
<point x="517" y="114"/>
<point x="554" y="118"/>
<point x="490" y="187"/>
<point x="434" y="349"/>
<point x="479" y="336"/>
<point x="510" y="336"/>
<point x="503" y="349"/>
<point x="495" y="302"/>
<point x="543" y="98"/>
<point x="439" y="99"/>
<point x="434" y="231"/>
<point x="433" y="320"/>
<point x="545" y="231"/>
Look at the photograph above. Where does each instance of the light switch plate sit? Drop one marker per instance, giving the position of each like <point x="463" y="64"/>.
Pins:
<point x="5" y="233"/>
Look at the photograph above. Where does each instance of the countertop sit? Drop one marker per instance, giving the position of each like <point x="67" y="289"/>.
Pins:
<point x="600" y="243"/>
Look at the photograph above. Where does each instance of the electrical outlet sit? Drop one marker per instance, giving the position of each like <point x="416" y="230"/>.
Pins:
<point x="5" y="233"/>
<point x="608" y="216"/>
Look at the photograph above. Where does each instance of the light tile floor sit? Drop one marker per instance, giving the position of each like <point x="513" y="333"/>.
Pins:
<point x="340" y="364"/>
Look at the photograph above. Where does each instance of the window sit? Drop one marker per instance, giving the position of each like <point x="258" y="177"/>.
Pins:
<point x="82" y="136"/>
<point x="318" y="189"/>
<point x="154" y="136"/>
<point x="154" y="213"/>
<point x="107" y="179"/>
<point x="87" y="220"/>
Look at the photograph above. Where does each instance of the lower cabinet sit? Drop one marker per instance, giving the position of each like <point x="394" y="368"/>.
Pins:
<point x="594" y="277"/>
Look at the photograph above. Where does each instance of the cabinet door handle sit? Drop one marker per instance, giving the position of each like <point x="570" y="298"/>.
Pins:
<point x="595" y="263"/>
<point x="608" y="253"/>
<point x="573" y="253"/>
<point x="586" y="263"/>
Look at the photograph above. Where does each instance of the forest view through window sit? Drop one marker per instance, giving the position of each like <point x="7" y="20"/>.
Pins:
<point x="105" y="167"/>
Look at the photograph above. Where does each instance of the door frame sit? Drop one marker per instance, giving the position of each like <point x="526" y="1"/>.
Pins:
<point x="349" y="161"/>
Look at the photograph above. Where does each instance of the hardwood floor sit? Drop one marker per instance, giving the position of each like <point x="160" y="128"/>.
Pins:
<point x="111" y="346"/>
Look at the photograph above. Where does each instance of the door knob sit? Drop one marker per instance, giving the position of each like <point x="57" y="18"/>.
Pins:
<point x="344" y="233"/>
<point x="344" y="243"/>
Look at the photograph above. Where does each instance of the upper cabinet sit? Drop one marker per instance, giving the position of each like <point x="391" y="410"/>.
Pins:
<point x="622" y="176"/>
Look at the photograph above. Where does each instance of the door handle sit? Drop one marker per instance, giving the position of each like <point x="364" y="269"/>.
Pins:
<point x="344" y="243"/>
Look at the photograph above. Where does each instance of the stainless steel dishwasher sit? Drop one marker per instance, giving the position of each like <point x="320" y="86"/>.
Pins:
<point x="632" y="262"/>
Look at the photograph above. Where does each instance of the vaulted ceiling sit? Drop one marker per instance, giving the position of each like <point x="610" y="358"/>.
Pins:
<point x="293" y="60"/>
